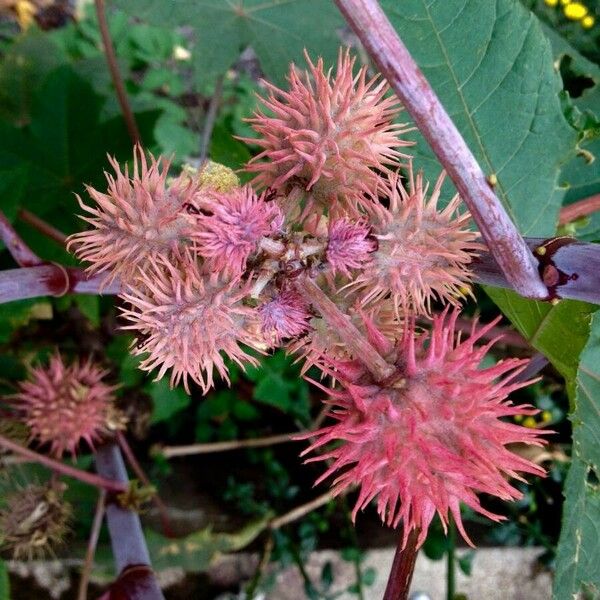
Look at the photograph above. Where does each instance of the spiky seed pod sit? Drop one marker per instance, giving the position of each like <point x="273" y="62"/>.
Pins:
<point x="138" y="220"/>
<point x="423" y="252"/>
<point x="284" y="316"/>
<point x="329" y="136"/>
<point x="186" y="322"/>
<point x="432" y="437"/>
<point x="34" y="520"/>
<point x="231" y="226"/>
<point x="64" y="405"/>
<point x="349" y="245"/>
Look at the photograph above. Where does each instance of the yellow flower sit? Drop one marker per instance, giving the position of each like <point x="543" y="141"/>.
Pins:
<point x="565" y="2"/>
<point x="551" y="2"/>
<point x="588" y="22"/>
<point x="575" y="11"/>
<point x="530" y="422"/>
<point x="546" y="416"/>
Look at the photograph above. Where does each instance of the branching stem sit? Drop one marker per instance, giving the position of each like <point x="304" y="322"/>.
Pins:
<point x="374" y="30"/>
<point x="98" y="481"/>
<point x="358" y="345"/>
<point x="115" y="74"/>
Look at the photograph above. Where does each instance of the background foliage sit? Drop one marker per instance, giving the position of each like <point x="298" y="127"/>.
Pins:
<point x="521" y="85"/>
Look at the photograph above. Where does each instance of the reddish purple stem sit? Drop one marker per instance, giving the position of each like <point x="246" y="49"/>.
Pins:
<point x="391" y="56"/>
<point x="136" y="580"/>
<point x="18" y="249"/>
<point x="49" y="280"/>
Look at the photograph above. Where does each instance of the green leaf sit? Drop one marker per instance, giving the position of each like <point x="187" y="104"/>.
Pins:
<point x="578" y="553"/>
<point x="19" y="313"/>
<point x="23" y="68"/>
<point x="65" y="145"/>
<point x="4" y="582"/>
<point x="13" y="184"/>
<point x="278" y="384"/>
<point x="277" y="30"/>
<point x="167" y="401"/>
<point x="118" y="351"/>
<point x="498" y="83"/>
<point x="195" y="552"/>
<point x="559" y="332"/>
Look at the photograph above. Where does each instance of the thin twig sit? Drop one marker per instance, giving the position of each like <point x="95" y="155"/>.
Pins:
<point x="402" y="568"/>
<point x="117" y="80"/>
<point x="91" y="548"/>
<point x="374" y="30"/>
<point x="211" y="116"/>
<point x="581" y="208"/>
<point x="302" y="510"/>
<point x="109" y="485"/>
<point x="19" y="250"/>
<point x="171" y="451"/>
<point x="42" y="226"/>
<point x="358" y="345"/>
<point x="141" y="475"/>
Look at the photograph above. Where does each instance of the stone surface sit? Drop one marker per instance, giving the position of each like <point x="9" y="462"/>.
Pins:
<point x="498" y="574"/>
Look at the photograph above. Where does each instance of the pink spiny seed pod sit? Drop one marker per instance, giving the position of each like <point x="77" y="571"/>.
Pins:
<point x="138" y="220"/>
<point x="349" y="245"/>
<point x="232" y="229"/>
<point x="329" y="136"/>
<point x="185" y="322"/>
<point x="423" y="253"/>
<point x="285" y="316"/>
<point x="432" y="437"/>
<point x="64" y="405"/>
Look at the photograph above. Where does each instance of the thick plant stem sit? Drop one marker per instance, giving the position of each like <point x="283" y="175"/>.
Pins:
<point x="391" y="56"/>
<point x="50" y="280"/>
<point x="570" y="268"/>
<point x="18" y="249"/>
<point x="110" y="485"/>
<point x="136" y="580"/>
<point x="402" y="568"/>
<point x="451" y="562"/>
<point x="358" y="345"/>
<point x="115" y="74"/>
<point x="141" y="475"/>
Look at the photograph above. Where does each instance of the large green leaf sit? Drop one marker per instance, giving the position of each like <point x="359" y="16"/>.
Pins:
<point x="63" y="147"/>
<point x="578" y="552"/>
<point x="558" y="331"/>
<point x="492" y="67"/>
<point x="277" y="30"/>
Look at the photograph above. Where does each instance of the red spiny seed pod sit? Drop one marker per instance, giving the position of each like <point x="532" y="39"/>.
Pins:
<point x="186" y="321"/>
<point x="328" y="135"/>
<point x="349" y="245"/>
<point x="64" y="405"/>
<point x="34" y="520"/>
<point x="433" y="436"/>
<point x="423" y="252"/>
<point x="231" y="226"/>
<point x="139" y="219"/>
<point x="285" y="316"/>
